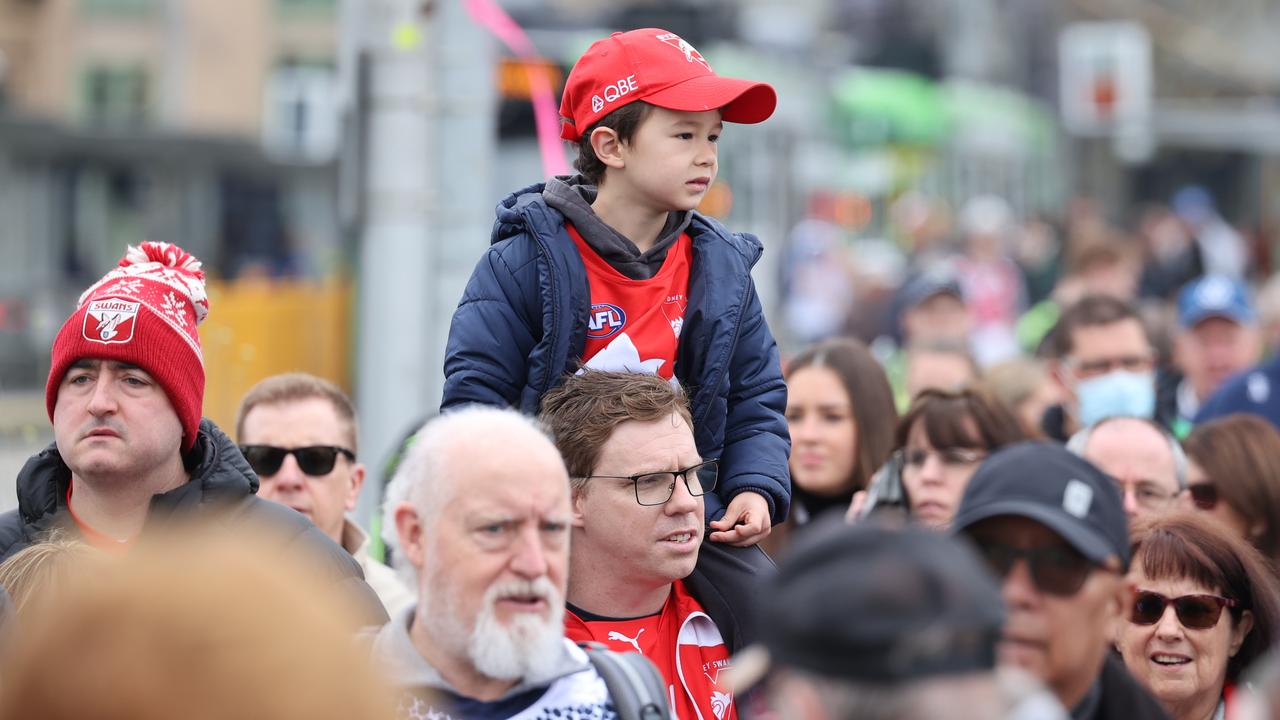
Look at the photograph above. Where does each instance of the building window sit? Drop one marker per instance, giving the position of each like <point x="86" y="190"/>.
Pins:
<point x="301" y="108"/>
<point x="119" y="7"/>
<point x="115" y="96"/>
<point x="307" y="7"/>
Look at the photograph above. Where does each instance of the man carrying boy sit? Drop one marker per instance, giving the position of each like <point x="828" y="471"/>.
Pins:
<point x="613" y="269"/>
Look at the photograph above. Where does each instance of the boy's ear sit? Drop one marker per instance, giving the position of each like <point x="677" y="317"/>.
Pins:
<point x="608" y="147"/>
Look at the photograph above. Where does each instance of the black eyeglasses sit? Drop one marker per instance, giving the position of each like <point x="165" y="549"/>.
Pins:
<point x="315" y="460"/>
<point x="1198" y="612"/>
<point x="1204" y="495"/>
<point x="656" y="488"/>
<point x="1055" y="570"/>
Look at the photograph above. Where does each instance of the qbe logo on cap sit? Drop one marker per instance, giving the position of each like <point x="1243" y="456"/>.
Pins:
<point x="110" y="321"/>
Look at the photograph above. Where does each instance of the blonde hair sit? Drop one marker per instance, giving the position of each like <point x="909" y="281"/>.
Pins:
<point x="195" y="625"/>
<point x="42" y="567"/>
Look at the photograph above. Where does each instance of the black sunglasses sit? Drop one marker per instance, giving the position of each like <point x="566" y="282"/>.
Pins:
<point x="1199" y="612"/>
<point x="1204" y="495"/>
<point x="1055" y="570"/>
<point x="315" y="460"/>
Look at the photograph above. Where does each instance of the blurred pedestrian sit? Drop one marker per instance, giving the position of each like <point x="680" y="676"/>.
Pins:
<point x="194" y="623"/>
<point x="938" y="366"/>
<point x="992" y="283"/>
<point x="841" y="415"/>
<point x="1104" y="364"/>
<point x="1025" y="386"/>
<point x="486" y="527"/>
<point x="1217" y="337"/>
<point x="1145" y="460"/>
<point x="640" y="576"/>
<point x="298" y="432"/>
<point x="872" y="623"/>
<point x="1222" y="250"/>
<point x="1052" y="526"/>
<point x="130" y="451"/>
<point x="614" y="269"/>
<point x="931" y="310"/>
<point x="1234" y="475"/>
<point x="1104" y="266"/>
<point x="1205" y="607"/>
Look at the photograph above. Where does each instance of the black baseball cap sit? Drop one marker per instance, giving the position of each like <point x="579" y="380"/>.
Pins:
<point x="875" y="604"/>
<point x="928" y="283"/>
<point x="1045" y="482"/>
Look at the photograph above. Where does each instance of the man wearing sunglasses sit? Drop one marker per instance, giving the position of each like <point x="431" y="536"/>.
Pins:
<point x="641" y="578"/>
<point x="298" y="433"/>
<point x="131" y="452"/>
<point x="1053" y="529"/>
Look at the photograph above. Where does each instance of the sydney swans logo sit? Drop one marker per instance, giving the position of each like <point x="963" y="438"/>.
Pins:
<point x="110" y="321"/>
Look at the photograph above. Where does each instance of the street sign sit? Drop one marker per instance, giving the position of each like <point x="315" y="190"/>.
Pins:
<point x="1105" y="77"/>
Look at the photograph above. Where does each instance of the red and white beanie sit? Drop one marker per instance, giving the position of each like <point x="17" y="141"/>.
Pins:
<point x="144" y="313"/>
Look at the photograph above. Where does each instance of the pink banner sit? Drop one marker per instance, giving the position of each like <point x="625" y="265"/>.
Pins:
<point x="546" y="115"/>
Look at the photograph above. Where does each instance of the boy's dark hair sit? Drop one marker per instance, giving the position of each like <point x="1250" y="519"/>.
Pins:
<point x="624" y="121"/>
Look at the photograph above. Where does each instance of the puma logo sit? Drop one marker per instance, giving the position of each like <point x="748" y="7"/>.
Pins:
<point x="634" y="642"/>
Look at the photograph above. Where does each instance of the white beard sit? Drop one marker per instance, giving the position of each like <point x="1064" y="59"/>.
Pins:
<point x="523" y="648"/>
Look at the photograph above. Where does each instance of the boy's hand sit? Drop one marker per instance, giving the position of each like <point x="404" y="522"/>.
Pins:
<point x="745" y="521"/>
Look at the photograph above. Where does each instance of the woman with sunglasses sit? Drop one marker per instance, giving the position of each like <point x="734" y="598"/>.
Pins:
<point x="1234" y="475"/>
<point x="941" y="441"/>
<point x="1205" y="606"/>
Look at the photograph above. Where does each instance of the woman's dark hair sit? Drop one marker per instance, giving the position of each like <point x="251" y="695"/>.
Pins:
<point x="625" y="121"/>
<point x="870" y="397"/>
<point x="967" y="418"/>
<point x="1240" y="454"/>
<point x="1185" y="545"/>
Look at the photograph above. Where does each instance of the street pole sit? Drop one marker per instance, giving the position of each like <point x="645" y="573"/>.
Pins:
<point x="426" y="124"/>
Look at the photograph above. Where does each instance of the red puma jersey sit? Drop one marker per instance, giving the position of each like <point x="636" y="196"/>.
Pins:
<point x="685" y="645"/>
<point x="634" y="325"/>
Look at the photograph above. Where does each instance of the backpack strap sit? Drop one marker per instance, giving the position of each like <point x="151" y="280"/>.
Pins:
<point x="635" y="685"/>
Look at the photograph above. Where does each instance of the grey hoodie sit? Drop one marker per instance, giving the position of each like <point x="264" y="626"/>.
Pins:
<point x="573" y="197"/>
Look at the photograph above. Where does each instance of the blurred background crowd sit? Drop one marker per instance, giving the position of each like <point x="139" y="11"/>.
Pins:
<point x="1023" y="152"/>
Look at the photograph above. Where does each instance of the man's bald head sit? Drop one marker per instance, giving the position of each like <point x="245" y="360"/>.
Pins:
<point x="1144" y="460"/>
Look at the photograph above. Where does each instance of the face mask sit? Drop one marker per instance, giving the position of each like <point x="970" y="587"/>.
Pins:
<point x="1118" y="393"/>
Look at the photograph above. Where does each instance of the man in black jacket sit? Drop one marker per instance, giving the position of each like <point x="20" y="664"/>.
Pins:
<point x="1053" y="528"/>
<point x="641" y="577"/>
<point x="131" y="452"/>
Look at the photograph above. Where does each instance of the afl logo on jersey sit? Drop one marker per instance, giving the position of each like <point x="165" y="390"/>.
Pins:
<point x="605" y="321"/>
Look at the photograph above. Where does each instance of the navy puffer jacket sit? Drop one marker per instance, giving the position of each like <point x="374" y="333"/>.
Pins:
<point x="521" y="327"/>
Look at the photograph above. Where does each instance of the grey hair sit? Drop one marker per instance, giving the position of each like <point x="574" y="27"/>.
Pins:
<point x="421" y="477"/>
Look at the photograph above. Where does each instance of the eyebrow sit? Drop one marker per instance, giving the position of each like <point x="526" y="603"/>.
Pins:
<point x="694" y="123"/>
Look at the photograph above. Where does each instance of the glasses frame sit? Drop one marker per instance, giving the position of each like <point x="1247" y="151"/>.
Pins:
<point x="1035" y="559"/>
<point x="949" y="457"/>
<point x="337" y="450"/>
<point x="682" y="473"/>
<point x="1179" y="603"/>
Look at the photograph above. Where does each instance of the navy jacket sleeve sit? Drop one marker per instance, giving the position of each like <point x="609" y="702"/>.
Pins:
<point x="491" y="335"/>
<point x="757" y="442"/>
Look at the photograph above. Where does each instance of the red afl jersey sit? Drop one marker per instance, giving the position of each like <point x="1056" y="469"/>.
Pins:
<point x="685" y="645"/>
<point x="634" y="325"/>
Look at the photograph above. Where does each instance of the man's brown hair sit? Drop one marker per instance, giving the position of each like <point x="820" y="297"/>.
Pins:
<point x="583" y="412"/>
<point x="294" y="387"/>
<point x="1090" y="311"/>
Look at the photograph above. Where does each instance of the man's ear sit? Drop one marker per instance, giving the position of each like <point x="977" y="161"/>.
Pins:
<point x="354" y="486"/>
<point x="410" y="529"/>
<point x="608" y="147"/>
<point x="1121" y="600"/>
<point x="578" y="499"/>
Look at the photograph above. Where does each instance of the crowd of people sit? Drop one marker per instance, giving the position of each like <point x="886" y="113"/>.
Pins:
<point x="630" y="506"/>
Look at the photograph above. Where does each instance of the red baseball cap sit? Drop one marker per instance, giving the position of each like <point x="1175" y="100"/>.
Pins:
<point x="662" y="69"/>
